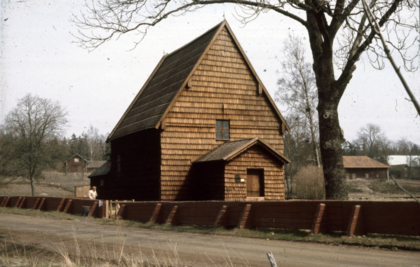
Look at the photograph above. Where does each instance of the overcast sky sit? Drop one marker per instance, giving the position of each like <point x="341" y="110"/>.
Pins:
<point x="38" y="57"/>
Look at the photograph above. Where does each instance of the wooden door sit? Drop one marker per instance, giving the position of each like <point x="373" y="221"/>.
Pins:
<point x="255" y="183"/>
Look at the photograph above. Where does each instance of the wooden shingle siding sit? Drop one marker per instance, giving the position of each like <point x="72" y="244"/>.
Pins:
<point x="254" y="158"/>
<point x="223" y="88"/>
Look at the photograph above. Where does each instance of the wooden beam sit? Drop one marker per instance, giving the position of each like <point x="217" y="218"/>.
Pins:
<point x="18" y="202"/>
<point x="171" y="215"/>
<point x="21" y="202"/>
<point x="155" y="213"/>
<point x="36" y="203"/>
<point x="66" y="209"/>
<point x="355" y="225"/>
<point x="42" y="203"/>
<point x="61" y="204"/>
<point x="318" y="218"/>
<point x="92" y="209"/>
<point x="5" y="201"/>
<point x="120" y="212"/>
<point x="244" y="217"/>
<point x="219" y="222"/>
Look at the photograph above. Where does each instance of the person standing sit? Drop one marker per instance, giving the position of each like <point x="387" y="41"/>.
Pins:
<point x="92" y="193"/>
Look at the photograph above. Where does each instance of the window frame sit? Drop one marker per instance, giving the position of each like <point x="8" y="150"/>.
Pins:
<point x="223" y="130"/>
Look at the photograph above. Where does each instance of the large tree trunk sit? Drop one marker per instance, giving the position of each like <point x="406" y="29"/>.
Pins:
<point x="330" y="142"/>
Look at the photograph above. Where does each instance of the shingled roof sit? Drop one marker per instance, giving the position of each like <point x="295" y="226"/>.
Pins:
<point x="362" y="162"/>
<point x="166" y="82"/>
<point x="103" y="170"/>
<point x="229" y="150"/>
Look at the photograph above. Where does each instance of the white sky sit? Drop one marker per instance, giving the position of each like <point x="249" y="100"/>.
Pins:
<point x="38" y="57"/>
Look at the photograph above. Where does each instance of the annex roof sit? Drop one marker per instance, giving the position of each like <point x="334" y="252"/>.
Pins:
<point x="166" y="82"/>
<point x="95" y="163"/>
<point x="362" y="162"/>
<point x="231" y="149"/>
<point x="102" y="170"/>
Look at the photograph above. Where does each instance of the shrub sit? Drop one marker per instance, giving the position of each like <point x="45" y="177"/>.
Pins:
<point x="310" y="183"/>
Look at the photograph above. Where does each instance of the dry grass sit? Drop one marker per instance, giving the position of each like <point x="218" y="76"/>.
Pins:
<point x="93" y="253"/>
<point x="310" y="183"/>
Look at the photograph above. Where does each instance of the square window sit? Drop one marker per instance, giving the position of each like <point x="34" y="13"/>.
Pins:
<point x="76" y="160"/>
<point x="222" y="130"/>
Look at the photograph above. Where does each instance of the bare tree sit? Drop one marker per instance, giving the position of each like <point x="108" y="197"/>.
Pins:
<point x="297" y="89"/>
<point x="296" y="148"/>
<point x="338" y="32"/>
<point x="373" y="142"/>
<point x="31" y="123"/>
<point x="96" y="143"/>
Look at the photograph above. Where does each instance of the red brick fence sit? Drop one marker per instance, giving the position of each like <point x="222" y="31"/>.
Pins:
<point x="353" y="217"/>
<point x="67" y="205"/>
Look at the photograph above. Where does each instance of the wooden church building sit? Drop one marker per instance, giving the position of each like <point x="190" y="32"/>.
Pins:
<point x="203" y="127"/>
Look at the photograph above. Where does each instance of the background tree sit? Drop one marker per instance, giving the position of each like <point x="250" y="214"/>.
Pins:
<point x="297" y="89"/>
<point x="31" y="125"/>
<point x="373" y="142"/>
<point x="96" y="143"/>
<point x="297" y="148"/>
<point x="338" y="32"/>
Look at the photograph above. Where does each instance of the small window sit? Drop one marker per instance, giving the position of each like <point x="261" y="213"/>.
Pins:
<point x="222" y="130"/>
<point x="76" y="160"/>
<point x="367" y="175"/>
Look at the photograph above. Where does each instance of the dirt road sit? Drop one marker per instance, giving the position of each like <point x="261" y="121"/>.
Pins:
<point x="194" y="249"/>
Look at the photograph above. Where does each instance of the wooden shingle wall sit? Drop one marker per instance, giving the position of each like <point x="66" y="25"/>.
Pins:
<point x="222" y="88"/>
<point x="254" y="158"/>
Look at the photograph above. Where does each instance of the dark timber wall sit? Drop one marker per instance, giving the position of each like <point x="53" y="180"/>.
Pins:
<point x="135" y="167"/>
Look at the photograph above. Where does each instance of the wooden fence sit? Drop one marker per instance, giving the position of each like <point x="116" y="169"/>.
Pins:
<point x="353" y="217"/>
<point x="71" y="205"/>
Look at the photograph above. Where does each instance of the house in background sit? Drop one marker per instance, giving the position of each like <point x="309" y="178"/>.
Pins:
<point x="75" y="163"/>
<point x="405" y="166"/>
<point x="365" y="167"/>
<point x="203" y="127"/>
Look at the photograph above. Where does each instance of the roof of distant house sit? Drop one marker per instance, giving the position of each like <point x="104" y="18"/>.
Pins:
<point x="77" y="156"/>
<point x="362" y="162"/>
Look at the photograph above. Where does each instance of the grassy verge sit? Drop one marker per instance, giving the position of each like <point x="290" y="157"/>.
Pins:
<point x="394" y="242"/>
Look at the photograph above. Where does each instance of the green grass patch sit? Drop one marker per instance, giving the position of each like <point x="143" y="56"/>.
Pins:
<point x="411" y="243"/>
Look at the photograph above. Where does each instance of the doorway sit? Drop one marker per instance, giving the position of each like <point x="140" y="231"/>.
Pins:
<point x="255" y="183"/>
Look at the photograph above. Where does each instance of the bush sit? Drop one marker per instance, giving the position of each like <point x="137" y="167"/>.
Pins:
<point x="310" y="183"/>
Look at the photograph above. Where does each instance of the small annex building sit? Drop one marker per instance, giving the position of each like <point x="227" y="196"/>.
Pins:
<point x="203" y="127"/>
<point x="75" y="163"/>
<point x="365" y="167"/>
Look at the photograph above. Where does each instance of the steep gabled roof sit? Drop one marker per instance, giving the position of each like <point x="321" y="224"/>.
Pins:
<point x="165" y="84"/>
<point x="361" y="162"/>
<point x="230" y="150"/>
